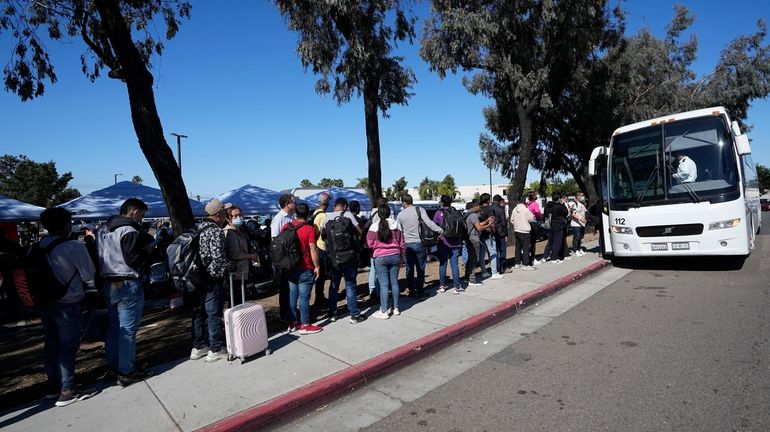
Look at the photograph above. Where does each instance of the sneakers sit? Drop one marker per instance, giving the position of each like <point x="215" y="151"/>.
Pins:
<point x="135" y="377"/>
<point x="379" y="315"/>
<point x="196" y="354"/>
<point x="357" y="319"/>
<point x="485" y="275"/>
<point x="332" y="316"/>
<point x="396" y="312"/>
<point x="579" y="253"/>
<point x="212" y="356"/>
<point x="457" y="291"/>
<point x="72" y="396"/>
<point x="474" y="282"/>
<point x="293" y="327"/>
<point x="518" y="266"/>
<point x="540" y="261"/>
<point x="442" y="288"/>
<point x="557" y="261"/>
<point x="528" y="268"/>
<point x="497" y="276"/>
<point x="309" y="329"/>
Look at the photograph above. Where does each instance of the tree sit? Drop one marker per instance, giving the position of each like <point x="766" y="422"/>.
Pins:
<point x="136" y="180"/>
<point x="106" y="27"/>
<point x="428" y="189"/>
<point x="516" y="49"/>
<point x="363" y="183"/>
<point x="327" y="183"/>
<point x="398" y="190"/>
<point x="764" y="178"/>
<point x="350" y="44"/>
<point x="447" y="187"/>
<point x="33" y="182"/>
<point x="305" y="183"/>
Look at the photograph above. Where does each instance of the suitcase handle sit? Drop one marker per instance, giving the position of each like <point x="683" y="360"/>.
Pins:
<point x="232" y="292"/>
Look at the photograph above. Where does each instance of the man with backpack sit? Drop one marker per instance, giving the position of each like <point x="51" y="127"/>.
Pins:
<point x="501" y="230"/>
<point x="70" y="268"/>
<point x="284" y="216"/>
<point x="317" y="220"/>
<point x="124" y="253"/>
<point x="411" y="220"/>
<point x="487" y="236"/>
<point x="207" y="317"/>
<point x="473" y="240"/>
<point x="451" y="221"/>
<point x="342" y="235"/>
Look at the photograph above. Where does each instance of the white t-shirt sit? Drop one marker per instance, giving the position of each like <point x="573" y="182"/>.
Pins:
<point x="686" y="172"/>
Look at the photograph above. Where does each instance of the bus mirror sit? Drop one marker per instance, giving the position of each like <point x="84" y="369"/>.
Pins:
<point x="592" y="167"/>
<point x="736" y="129"/>
<point x="742" y="144"/>
<point x="595" y="154"/>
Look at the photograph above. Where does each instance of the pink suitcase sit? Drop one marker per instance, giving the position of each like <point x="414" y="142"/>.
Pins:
<point x="245" y="328"/>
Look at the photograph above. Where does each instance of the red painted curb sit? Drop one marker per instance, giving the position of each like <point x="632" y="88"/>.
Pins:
<point x="315" y="393"/>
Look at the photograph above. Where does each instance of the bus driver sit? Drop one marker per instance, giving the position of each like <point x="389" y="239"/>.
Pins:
<point x="686" y="171"/>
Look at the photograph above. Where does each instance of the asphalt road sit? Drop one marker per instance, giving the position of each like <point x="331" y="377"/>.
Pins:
<point x="674" y="346"/>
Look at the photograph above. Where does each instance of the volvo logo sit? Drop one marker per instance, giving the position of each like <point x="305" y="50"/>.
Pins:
<point x="668" y="230"/>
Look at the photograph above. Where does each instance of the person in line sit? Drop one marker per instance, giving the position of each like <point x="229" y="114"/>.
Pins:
<point x="207" y="317"/>
<point x="559" y="215"/>
<point x="521" y="218"/>
<point x="237" y="246"/>
<point x="488" y="243"/>
<point x="534" y="207"/>
<point x="386" y="241"/>
<point x="501" y="230"/>
<point x="374" y="289"/>
<point x="577" y="216"/>
<point x="317" y="219"/>
<point x="62" y="321"/>
<point x="302" y="276"/>
<point x="473" y="242"/>
<point x="686" y="170"/>
<point x="449" y="249"/>
<point x="283" y="217"/>
<point x="416" y="255"/>
<point x="347" y="270"/>
<point x="124" y="254"/>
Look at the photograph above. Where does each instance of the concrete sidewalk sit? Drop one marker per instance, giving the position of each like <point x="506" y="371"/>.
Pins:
<point x="303" y="370"/>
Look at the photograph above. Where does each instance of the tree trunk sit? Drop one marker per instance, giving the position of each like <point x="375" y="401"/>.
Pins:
<point x="144" y="115"/>
<point x="519" y="179"/>
<point x="373" y="139"/>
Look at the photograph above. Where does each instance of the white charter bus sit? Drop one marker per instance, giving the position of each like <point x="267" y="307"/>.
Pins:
<point x="678" y="185"/>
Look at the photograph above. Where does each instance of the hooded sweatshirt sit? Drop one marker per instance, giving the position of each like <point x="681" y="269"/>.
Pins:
<point x="521" y="217"/>
<point x="121" y="249"/>
<point x="395" y="246"/>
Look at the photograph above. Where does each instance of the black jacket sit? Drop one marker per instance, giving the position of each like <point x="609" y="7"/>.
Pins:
<point x="501" y="222"/>
<point x="559" y="215"/>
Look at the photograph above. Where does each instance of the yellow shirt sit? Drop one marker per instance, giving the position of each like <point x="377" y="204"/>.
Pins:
<point x="318" y="223"/>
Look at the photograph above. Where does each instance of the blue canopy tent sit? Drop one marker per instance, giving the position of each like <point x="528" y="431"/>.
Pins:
<point x="12" y="210"/>
<point x="253" y="200"/>
<point x="338" y="192"/>
<point x="106" y="202"/>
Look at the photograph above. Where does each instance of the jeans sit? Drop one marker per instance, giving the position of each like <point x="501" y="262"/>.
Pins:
<point x="452" y="255"/>
<point x="280" y="277"/>
<point x="577" y="237"/>
<point x="372" y="276"/>
<point x="387" y="274"/>
<point x="349" y="272"/>
<point x="473" y="253"/>
<point x="502" y="246"/>
<point x="488" y="245"/>
<point x="125" y="304"/>
<point x="62" y="323"/>
<point x="548" y="245"/>
<point x="522" y="248"/>
<point x="415" y="258"/>
<point x="208" y="307"/>
<point x="465" y="253"/>
<point x="533" y="233"/>
<point x="557" y="244"/>
<point x="300" y="284"/>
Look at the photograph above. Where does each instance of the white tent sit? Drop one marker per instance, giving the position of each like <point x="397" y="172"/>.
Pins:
<point x="12" y="210"/>
<point x="106" y="202"/>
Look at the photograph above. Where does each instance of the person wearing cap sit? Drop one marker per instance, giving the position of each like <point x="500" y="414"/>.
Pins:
<point x="124" y="253"/>
<point x="207" y="302"/>
<point x="282" y="218"/>
<point x="317" y="219"/>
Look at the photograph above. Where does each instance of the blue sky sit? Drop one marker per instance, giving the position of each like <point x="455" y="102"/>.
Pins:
<point x="232" y="82"/>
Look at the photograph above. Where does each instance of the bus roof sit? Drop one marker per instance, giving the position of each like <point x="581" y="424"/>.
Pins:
<point x="670" y="118"/>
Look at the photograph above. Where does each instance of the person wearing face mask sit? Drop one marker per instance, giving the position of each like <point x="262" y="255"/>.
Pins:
<point x="237" y="244"/>
<point x="577" y="211"/>
<point x="124" y="252"/>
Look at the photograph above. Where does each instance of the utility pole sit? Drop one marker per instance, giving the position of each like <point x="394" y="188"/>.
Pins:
<point x="116" y="178"/>
<point x="490" y="180"/>
<point x="179" y="149"/>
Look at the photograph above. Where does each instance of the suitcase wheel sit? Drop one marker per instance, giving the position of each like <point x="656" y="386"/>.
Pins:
<point x="243" y="359"/>
<point x="268" y="351"/>
<point x="230" y="357"/>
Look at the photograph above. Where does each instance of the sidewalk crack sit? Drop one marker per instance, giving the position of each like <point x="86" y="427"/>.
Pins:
<point x="168" y="413"/>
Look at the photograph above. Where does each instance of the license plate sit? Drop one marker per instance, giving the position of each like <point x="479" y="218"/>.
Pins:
<point x="680" y="246"/>
<point x="659" y="246"/>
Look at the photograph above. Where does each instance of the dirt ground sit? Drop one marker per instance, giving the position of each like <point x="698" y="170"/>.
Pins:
<point x="164" y="336"/>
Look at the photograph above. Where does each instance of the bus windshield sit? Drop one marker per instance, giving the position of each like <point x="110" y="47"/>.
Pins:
<point x="684" y="161"/>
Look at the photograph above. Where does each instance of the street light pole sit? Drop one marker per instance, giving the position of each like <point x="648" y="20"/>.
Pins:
<point x="179" y="149"/>
<point x="490" y="180"/>
<point x="116" y="178"/>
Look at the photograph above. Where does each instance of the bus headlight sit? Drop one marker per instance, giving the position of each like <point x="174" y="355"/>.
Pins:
<point x="621" y="229"/>
<point x="732" y="223"/>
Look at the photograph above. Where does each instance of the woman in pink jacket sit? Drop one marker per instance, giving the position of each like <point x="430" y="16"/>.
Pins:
<point x="386" y="241"/>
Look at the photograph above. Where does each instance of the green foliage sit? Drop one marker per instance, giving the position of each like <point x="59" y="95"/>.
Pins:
<point x="136" y="180"/>
<point x="433" y="189"/>
<point x="34" y="182"/>
<point x="30" y="66"/>
<point x="305" y="183"/>
<point x="447" y="187"/>
<point x="328" y="183"/>
<point x="397" y="191"/>
<point x="363" y="182"/>
<point x="764" y="178"/>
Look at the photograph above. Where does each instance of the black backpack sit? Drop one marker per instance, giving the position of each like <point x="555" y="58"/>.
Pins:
<point x="341" y="244"/>
<point x="285" y="249"/>
<point x="428" y="237"/>
<point x="453" y="223"/>
<point x="35" y="282"/>
<point x="184" y="261"/>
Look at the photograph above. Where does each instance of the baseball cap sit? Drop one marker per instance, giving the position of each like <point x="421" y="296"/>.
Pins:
<point x="215" y="206"/>
<point x="324" y="198"/>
